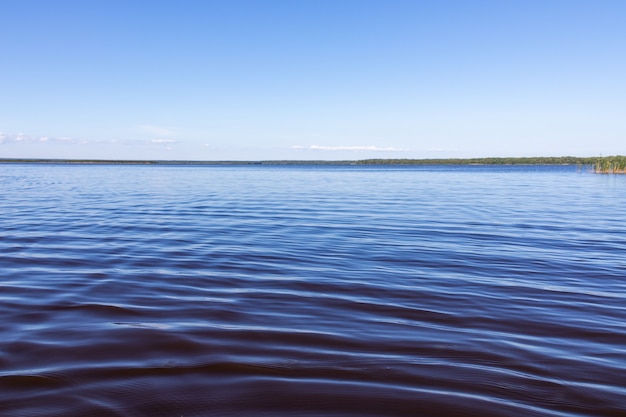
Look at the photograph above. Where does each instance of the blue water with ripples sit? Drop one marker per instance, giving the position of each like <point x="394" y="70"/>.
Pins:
<point x="311" y="291"/>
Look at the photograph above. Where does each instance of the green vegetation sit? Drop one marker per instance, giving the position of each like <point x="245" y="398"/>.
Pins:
<point x="540" y="160"/>
<point x="603" y="165"/>
<point x="71" y="161"/>
<point x="610" y="165"/>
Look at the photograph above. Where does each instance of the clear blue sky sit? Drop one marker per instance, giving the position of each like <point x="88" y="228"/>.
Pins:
<point x="312" y="79"/>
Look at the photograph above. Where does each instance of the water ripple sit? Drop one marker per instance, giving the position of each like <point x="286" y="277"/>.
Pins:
<point x="163" y="291"/>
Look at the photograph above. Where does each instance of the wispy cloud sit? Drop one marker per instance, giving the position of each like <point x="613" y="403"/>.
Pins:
<point x="8" y="138"/>
<point x="16" y="138"/>
<point x="161" y="141"/>
<point x="368" y="148"/>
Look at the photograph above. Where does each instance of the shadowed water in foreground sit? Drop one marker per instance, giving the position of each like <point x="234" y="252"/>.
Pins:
<point x="311" y="291"/>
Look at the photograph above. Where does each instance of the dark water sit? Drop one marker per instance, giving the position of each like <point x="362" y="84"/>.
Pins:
<point x="311" y="291"/>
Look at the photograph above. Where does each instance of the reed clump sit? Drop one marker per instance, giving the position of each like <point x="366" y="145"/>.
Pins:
<point x="610" y="165"/>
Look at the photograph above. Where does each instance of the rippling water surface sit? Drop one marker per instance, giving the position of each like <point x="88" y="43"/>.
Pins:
<point x="311" y="291"/>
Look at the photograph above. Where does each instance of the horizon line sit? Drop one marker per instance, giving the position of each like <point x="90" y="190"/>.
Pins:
<point x="529" y="160"/>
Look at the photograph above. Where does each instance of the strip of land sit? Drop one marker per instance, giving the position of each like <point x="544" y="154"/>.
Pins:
<point x="607" y="163"/>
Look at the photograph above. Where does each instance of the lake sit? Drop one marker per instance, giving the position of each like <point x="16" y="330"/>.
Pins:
<point x="312" y="291"/>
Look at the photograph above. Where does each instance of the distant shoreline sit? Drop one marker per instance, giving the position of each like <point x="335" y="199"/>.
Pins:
<point x="561" y="160"/>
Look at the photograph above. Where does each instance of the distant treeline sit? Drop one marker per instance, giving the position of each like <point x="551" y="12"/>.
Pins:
<point x="72" y="161"/>
<point x="540" y="160"/>
<point x="606" y="164"/>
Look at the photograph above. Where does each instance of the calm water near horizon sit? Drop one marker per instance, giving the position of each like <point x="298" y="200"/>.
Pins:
<point x="174" y="291"/>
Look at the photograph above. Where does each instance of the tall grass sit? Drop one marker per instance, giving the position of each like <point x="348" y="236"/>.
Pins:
<point x="610" y="165"/>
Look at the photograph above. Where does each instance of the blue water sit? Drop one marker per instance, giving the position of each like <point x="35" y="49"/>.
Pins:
<point x="311" y="291"/>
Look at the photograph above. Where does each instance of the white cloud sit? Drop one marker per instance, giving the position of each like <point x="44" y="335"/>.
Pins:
<point x="12" y="138"/>
<point x="348" y="148"/>
<point x="161" y="141"/>
<point x="22" y="138"/>
<point x="6" y="138"/>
